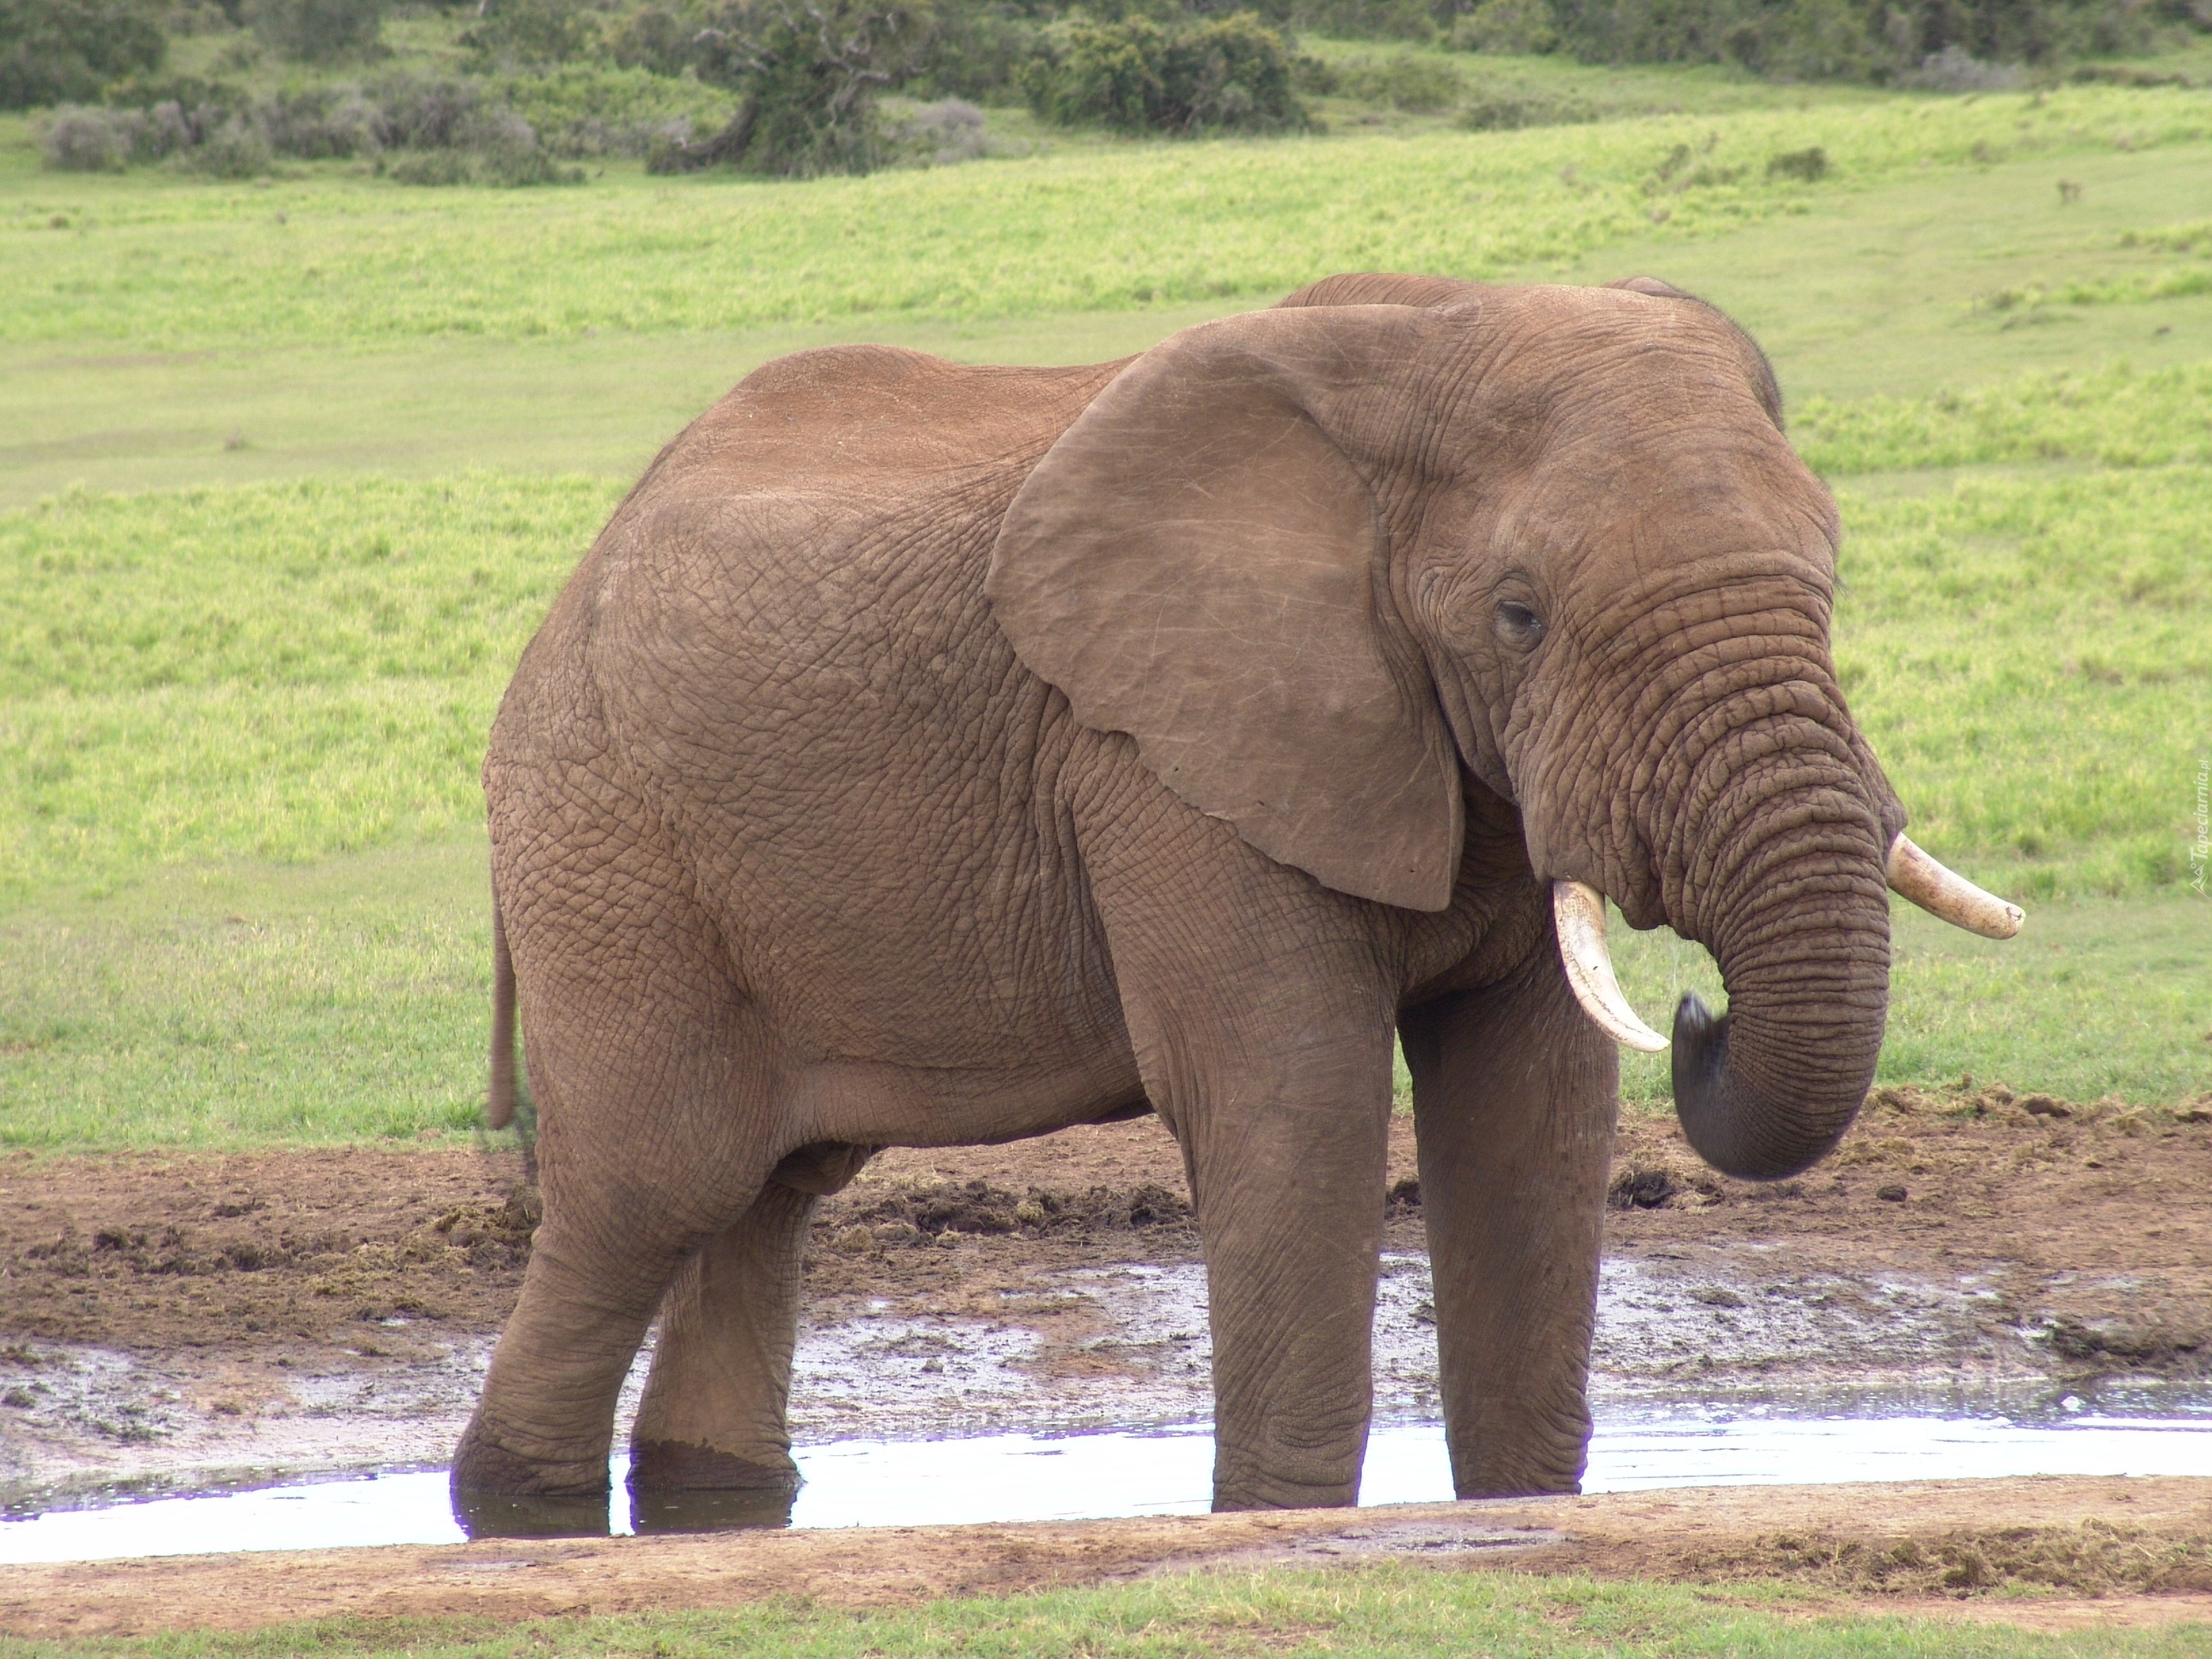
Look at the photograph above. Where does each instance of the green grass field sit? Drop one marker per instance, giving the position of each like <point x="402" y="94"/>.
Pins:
<point x="289" y="474"/>
<point x="1391" y="1610"/>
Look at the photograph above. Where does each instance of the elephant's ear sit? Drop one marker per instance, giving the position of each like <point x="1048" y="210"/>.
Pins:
<point x="1197" y="563"/>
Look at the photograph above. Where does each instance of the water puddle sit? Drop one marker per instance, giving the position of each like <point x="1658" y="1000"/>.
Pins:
<point x="1032" y="1477"/>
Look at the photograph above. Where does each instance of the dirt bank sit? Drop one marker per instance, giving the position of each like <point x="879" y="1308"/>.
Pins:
<point x="176" y="1319"/>
<point x="2045" y="1553"/>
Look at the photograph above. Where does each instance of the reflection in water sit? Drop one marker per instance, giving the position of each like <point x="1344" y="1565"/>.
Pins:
<point x="704" y="1511"/>
<point x="1021" y="1477"/>
<point x="499" y="1515"/>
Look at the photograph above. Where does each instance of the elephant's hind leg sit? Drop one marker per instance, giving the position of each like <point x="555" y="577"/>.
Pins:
<point x="712" y="1420"/>
<point x="653" y="1084"/>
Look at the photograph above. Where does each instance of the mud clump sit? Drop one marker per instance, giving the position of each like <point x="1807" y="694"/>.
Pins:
<point x="254" y="1250"/>
<point x="1646" y="1182"/>
<point x="491" y="1237"/>
<point x="928" y="1214"/>
<point x="2095" y="1558"/>
<point x="2105" y="1347"/>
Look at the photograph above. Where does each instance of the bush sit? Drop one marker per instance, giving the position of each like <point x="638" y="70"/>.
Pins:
<point x="55" y="52"/>
<point x="593" y="109"/>
<point x="809" y="73"/>
<point x="1848" y="39"/>
<point x="423" y="112"/>
<point x="1521" y="28"/>
<point x="653" y="39"/>
<point x="939" y="134"/>
<point x="236" y="149"/>
<point x="317" y="31"/>
<point x="1413" y="82"/>
<point x="1228" y="74"/>
<point x="441" y="131"/>
<point x="89" y="140"/>
<point x="1810" y="165"/>
<point x="1365" y="20"/>
<point x="518" y="33"/>
<point x="108" y="140"/>
<point x="978" y="51"/>
<point x="1508" y="109"/>
<point x="1956" y="69"/>
<point x="320" y="123"/>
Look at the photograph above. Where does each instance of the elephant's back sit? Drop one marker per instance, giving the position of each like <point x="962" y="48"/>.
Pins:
<point x="871" y="421"/>
<point x="785" y="635"/>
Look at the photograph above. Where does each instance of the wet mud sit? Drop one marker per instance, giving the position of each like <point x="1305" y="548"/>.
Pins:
<point x="173" y="1323"/>
<point x="2047" y="1553"/>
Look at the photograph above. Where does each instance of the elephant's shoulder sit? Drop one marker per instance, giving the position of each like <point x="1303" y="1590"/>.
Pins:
<point x="865" y="419"/>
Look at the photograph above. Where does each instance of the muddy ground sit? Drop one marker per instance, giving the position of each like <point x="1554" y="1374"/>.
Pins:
<point x="2047" y="1553"/>
<point x="177" y="1322"/>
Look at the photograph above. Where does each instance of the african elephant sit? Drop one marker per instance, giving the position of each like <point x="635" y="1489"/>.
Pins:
<point x="930" y="755"/>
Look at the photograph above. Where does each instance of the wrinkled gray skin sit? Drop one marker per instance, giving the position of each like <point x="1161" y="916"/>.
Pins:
<point x="929" y="755"/>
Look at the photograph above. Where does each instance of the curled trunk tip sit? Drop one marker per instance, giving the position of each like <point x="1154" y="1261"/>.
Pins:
<point x="1730" y="1123"/>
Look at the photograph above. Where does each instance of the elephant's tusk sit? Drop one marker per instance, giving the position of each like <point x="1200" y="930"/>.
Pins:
<point x="1916" y="876"/>
<point x="1579" y="913"/>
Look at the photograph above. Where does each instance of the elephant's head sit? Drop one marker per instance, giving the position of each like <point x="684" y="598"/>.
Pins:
<point x="1317" y="560"/>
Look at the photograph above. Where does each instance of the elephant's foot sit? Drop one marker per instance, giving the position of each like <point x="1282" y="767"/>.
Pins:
<point x="673" y="1466"/>
<point x="1564" y="1485"/>
<point x="1305" y="1482"/>
<point x="675" y="1486"/>
<point x="484" y="1464"/>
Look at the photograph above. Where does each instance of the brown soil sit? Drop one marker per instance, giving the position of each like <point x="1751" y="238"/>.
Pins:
<point x="331" y="1309"/>
<point x="2050" y="1554"/>
<point x="2090" y="1222"/>
<point x="260" y="1250"/>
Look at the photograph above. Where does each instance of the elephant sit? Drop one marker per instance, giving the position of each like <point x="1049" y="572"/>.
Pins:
<point x="928" y="754"/>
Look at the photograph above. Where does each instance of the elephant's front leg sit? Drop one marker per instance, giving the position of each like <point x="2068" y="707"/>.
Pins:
<point x="1287" y="1145"/>
<point x="1513" y="1097"/>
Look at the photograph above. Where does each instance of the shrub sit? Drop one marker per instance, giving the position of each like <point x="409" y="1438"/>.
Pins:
<point x="595" y="109"/>
<point x="978" y="51"/>
<point x="236" y="149"/>
<point x="88" y="140"/>
<point x="1415" y="82"/>
<point x="1518" y="26"/>
<point x="54" y="51"/>
<point x="1365" y="20"/>
<point x="1854" y="39"/>
<point x="653" y="39"/>
<point x="1956" y="69"/>
<point x="809" y="73"/>
<point x="436" y="166"/>
<point x="445" y="131"/>
<point x="514" y="34"/>
<point x="320" y="122"/>
<point x="422" y="111"/>
<point x="317" y="31"/>
<point x="939" y="134"/>
<point x="1508" y="109"/>
<point x="1810" y="165"/>
<point x="108" y="140"/>
<point x="1227" y="74"/>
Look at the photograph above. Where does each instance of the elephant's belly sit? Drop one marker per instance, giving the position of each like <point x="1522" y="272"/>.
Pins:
<point x="878" y="1105"/>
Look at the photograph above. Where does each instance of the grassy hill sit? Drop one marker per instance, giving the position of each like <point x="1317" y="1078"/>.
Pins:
<point x="297" y="467"/>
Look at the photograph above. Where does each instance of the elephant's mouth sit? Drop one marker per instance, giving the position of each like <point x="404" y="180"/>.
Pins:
<point x="1735" y="1125"/>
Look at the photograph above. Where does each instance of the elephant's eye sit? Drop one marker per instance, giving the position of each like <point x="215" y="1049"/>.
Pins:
<point x="1518" y="625"/>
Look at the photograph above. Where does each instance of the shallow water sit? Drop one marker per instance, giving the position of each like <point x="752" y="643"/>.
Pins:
<point x="1027" y="1477"/>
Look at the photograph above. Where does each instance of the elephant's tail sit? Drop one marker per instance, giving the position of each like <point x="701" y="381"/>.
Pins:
<point x="499" y="1105"/>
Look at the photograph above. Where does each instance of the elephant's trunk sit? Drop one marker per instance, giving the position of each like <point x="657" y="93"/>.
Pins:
<point x="1795" y="907"/>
